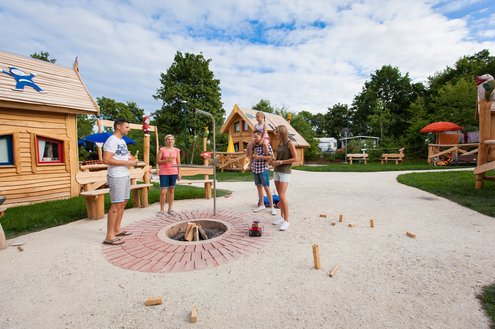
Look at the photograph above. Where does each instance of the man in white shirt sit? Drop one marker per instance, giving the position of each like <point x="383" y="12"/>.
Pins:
<point x="118" y="159"/>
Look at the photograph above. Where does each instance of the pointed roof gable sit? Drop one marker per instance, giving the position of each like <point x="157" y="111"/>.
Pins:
<point x="61" y="89"/>
<point x="272" y="120"/>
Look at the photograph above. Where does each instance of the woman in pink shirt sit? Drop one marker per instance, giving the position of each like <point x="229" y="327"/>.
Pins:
<point x="169" y="161"/>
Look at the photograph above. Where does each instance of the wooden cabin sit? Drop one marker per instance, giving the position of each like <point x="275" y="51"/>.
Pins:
<point x="39" y="102"/>
<point x="240" y="126"/>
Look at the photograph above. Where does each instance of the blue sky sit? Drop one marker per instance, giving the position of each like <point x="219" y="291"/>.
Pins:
<point x="304" y="55"/>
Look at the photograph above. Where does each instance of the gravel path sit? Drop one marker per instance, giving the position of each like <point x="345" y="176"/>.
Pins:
<point x="386" y="279"/>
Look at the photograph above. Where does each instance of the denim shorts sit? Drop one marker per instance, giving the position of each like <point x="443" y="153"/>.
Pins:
<point x="120" y="188"/>
<point x="168" y="181"/>
<point x="262" y="178"/>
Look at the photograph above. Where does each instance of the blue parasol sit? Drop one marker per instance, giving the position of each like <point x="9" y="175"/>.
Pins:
<point x="102" y="138"/>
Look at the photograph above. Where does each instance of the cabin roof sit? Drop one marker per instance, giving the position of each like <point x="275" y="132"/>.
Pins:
<point x="272" y="120"/>
<point x="63" y="91"/>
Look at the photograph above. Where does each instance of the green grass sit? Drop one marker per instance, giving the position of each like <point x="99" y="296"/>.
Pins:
<point x="457" y="186"/>
<point x="39" y="216"/>
<point x="376" y="166"/>
<point x="487" y="299"/>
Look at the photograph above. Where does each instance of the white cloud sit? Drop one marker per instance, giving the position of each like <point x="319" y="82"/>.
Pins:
<point x="123" y="47"/>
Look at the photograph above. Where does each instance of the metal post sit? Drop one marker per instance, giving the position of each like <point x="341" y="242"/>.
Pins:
<point x="213" y="158"/>
<point x="185" y="135"/>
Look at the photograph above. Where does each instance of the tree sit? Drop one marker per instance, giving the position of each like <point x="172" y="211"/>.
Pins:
<point x="85" y="124"/>
<point x="264" y="106"/>
<point x="379" y="120"/>
<point x="395" y="91"/>
<point x="301" y="123"/>
<point x="110" y="109"/>
<point x="336" y="118"/>
<point x="455" y="101"/>
<point x="188" y="84"/>
<point x="44" y="56"/>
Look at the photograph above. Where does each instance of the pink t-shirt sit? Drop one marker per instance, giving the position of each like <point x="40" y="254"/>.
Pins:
<point x="169" y="168"/>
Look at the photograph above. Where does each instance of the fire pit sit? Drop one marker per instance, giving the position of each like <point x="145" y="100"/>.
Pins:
<point x="211" y="229"/>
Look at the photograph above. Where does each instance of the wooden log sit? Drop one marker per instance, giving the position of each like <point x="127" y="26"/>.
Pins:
<point x="202" y="233"/>
<point x="316" y="256"/>
<point x="372" y="223"/>
<point x="323" y="215"/>
<point x="411" y="234"/>
<point x="153" y="301"/>
<point x="189" y="234"/>
<point x="341" y="218"/>
<point x="333" y="223"/>
<point x="351" y="225"/>
<point x="194" y="315"/>
<point x="334" y="270"/>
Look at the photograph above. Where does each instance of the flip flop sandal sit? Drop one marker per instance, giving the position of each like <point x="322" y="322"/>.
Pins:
<point x="113" y="242"/>
<point x="124" y="233"/>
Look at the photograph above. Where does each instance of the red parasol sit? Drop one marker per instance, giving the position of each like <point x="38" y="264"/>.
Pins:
<point x="440" y="126"/>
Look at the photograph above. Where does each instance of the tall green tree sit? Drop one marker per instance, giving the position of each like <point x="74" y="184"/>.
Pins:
<point x="44" y="56"/>
<point x="394" y="90"/>
<point x="264" y="106"/>
<point x="456" y="101"/>
<point x="188" y="84"/>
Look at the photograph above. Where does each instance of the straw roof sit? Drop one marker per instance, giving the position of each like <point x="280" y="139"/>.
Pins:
<point x="62" y="88"/>
<point x="272" y="120"/>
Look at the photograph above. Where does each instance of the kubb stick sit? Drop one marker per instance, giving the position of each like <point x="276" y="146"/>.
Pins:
<point x="323" y="215"/>
<point x="351" y="225"/>
<point x="341" y="218"/>
<point x="334" y="270"/>
<point x="21" y="248"/>
<point x="333" y="223"/>
<point x="372" y="223"/>
<point x="194" y="315"/>
<point x="316" y="256"/>
<point x="153" y="301"/>
<point x="411" y="234"/>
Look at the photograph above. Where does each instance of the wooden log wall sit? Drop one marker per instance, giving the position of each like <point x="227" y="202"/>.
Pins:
<point x="26" y="181"/>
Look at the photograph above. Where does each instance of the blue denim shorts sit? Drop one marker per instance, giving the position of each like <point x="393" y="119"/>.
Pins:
<point x="168" y="181"/>
<point x="262" y="178"/>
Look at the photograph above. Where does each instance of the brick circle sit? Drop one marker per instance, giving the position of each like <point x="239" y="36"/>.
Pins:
<point x="148" y="250"/>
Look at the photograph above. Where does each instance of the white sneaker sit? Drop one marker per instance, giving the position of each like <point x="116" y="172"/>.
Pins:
<point x="274" y="212"/>
<point x="260" y="208"/>
<point x="284" y="226"/>
<point x="278" y="221"/>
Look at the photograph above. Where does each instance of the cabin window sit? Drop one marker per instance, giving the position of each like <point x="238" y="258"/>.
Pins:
<point x="6" y="151"/>
<point x="236" y="147"/>
<point x="245" y="126"/>
<point x="237" y="126"/>
<point x="49" y="150"/>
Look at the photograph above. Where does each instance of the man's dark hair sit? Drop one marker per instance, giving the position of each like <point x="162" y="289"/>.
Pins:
<point x="119" y="122"/>
<point x="258" y="132"/>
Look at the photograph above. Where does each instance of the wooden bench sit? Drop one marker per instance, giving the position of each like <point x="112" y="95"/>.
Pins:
<point x="397" y="157"/>
<point x="92" y="182"/>
<point x="357" y="156"/>
<point x="198" y="170"/>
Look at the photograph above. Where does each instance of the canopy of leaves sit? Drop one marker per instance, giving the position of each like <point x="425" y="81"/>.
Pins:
<point x="188" y="84"/>
<point x="44" y="56"/>
<point x="264" y="106"/>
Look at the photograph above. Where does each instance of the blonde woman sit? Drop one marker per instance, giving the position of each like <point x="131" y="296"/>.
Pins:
<point x="169" y="161"/>
<point x="282" y="166"/>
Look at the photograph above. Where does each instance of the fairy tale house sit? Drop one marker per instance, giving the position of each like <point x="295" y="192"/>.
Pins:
<point x="39" y="102"/>
<point x="240" y="126"/>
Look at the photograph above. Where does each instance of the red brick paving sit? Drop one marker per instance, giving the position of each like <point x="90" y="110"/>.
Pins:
<point x="145" y="251"/>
